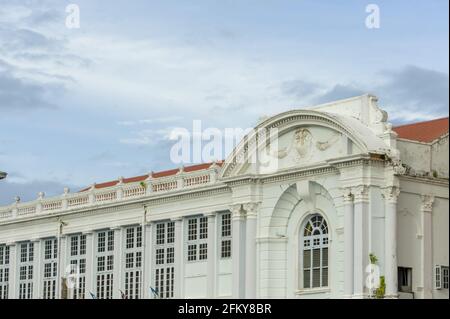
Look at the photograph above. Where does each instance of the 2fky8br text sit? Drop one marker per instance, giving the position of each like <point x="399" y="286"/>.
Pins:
<point x="226" y="309"/>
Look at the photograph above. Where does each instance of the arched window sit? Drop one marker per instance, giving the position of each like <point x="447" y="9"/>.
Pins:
<point x="314" y="252"/>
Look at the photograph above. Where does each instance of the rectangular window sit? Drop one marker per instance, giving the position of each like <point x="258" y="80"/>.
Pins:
<point x="441" y="277"/>
<point x="225" y="227"/>
<point x="133" y="262"/>
<point x="4" y="271"/>
<point x="445" y="277"/>
<point x="404" y="279"/>
<point x="77" y="260"/>
<point x="105" y="264"/>
<point x="26" y="270"/>
<point x="437" y="277"/>
<point x="164" y="256"/>
<point x="197" y="239"/>
<point x="50" y="268"/>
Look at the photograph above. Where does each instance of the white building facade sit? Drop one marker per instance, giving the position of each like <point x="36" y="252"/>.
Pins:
<point x="345" y="186"/>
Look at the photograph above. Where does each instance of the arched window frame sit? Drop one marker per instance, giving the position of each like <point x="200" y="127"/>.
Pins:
<point x="314" y="238"/>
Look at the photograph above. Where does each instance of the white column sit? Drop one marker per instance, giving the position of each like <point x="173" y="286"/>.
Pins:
<point x="147" y="271"/>
<point x="62" y="263"/>
<point x="360" y="261"/>
<point x="37" y="268"/>
<point x="212" y="256"/>
<point x="117" y="280"/>
<point x="250" y="250"/>
<point x="390" y="241"/>
<point x="179" y="259"/>
<point x="90" y="265"/>
<point x="427" y="246"/>
<point x="13" y="271"/>
<point x="238" y="251"/>
<point x="348" y="243"/>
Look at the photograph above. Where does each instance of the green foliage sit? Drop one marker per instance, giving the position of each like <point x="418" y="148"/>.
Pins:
<point x="373" y="259"/>
<point x="435" y="174"/>
<point x="143" y="185"/>
<point x="379" y="293"/>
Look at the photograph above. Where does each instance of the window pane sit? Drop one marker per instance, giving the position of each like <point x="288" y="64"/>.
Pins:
<point x="325" y="277"/>
<point x="316" y="258"/>
<point x="316" y="278"/>
<point x="306" y="279"/>
<point x="325" y="257"/>
<point x="307" y="259"/>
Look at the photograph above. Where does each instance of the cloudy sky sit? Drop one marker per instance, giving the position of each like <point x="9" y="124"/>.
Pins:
<point x="98" y="102"/>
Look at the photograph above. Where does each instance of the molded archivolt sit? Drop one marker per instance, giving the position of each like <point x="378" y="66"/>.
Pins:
<point x="360" y="135"/>
<point x="279" y="253"/>
<point x="287" y="204"/>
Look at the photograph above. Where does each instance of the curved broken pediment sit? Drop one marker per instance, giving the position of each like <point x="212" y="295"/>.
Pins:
<point x="300" y="138"/>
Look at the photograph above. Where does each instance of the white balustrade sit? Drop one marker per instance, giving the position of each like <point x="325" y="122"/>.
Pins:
<point x="112" y="194"/>
<point x="134" y="191"/>
<point x="27" y="210"/>
<point x="78" y="201"/>
<point x="106" y="197"/>
<point x="53" y="205"/>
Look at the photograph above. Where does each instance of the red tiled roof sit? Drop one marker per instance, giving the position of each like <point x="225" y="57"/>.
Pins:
<point x="423" y="131"/>
<point x="166" y="173"/>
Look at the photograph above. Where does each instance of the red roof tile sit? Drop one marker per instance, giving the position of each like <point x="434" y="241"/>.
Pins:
<point x="166" y="173"/>
<point x="423" y="131"/>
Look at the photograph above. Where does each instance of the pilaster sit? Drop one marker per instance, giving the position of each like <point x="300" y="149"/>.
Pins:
<point x="390" y="195"/>
<point x="238" y="251"/>
<point x="427" y="246"/>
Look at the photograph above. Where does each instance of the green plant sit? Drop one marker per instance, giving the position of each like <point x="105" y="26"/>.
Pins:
<point x="143" y="185"/>
<point x="435" y="174"/>
<point x="379" y="293"/>
<point x="373" y="259"/>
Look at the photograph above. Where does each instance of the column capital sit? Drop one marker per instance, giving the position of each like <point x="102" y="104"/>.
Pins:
<point x="347" y="194"/>
<point x="360" y="193"/>
<point x="427" y="203"/>
<point x="391" y="193"/>
<point x="115" y="228"/>
<point x="176" y="219"/>
<point x="236" y="211"/>
<point x="251" y="209"/>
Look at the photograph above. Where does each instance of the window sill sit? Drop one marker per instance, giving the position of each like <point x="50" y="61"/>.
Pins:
<point x="312" y="291"/>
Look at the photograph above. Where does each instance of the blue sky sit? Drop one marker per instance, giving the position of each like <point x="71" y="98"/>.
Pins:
<point x="91" y="104"/>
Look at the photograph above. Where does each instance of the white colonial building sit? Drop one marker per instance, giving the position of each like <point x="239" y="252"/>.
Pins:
<point x="346" y="185"/>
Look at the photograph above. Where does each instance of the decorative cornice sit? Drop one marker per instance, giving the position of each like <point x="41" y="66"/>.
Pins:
<point x="425" y="179"/>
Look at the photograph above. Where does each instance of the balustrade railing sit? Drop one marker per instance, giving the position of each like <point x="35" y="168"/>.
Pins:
<point x="120" y="192"/>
